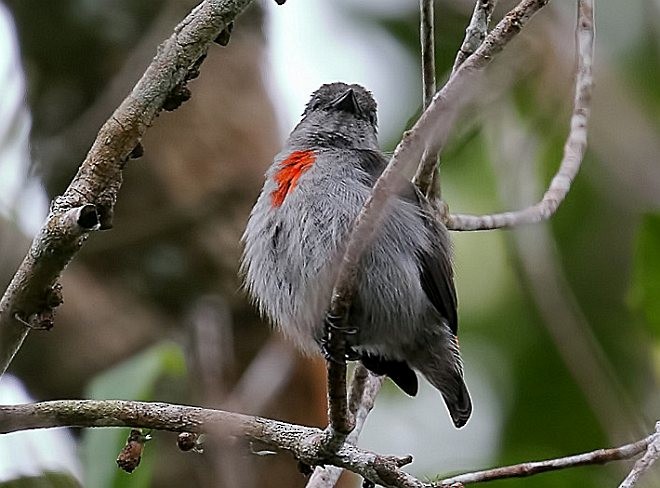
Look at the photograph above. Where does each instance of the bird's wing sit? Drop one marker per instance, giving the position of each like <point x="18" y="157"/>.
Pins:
<point x="436" y="277"/>
<point x="435" y="270"/>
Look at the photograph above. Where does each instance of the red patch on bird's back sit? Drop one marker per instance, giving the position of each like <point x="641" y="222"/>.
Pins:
<point x="290" y="170"/>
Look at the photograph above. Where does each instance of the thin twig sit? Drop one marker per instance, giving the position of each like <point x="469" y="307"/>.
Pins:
<point x="99" y="177"/>
<point x="600" y="456"/>
<point x="645" y="462"/>
<point x="427" y="177"/>
<point x="427" y="41"/>
<point x="476" y="31"/>
<point x="574" y="149"/>
<point x="424" y="177"/>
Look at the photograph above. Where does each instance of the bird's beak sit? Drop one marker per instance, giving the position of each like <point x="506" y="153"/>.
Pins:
<point x="347" y="102"/>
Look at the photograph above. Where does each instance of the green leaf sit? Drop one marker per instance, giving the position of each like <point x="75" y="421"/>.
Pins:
<point x="133" y="379"/>
<point x="646" y="276"/>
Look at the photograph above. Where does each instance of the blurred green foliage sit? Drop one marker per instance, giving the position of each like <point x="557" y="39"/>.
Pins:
<point x="646" y="291"/>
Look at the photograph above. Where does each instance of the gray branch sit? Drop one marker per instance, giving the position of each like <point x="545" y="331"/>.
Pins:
<point x="600" y="456"/>
<point x="304" y="443"/>
<point x="33" y="294"/>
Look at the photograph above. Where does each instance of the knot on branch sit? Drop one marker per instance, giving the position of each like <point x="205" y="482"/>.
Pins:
<point x="181" y="93"/>
<point x="44" y="316"/>
<point x="225" y="34"/>
<point x="88" y="217"/>
<point x="387" y="469"/>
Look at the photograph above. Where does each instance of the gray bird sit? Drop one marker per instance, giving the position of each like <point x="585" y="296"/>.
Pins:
<point x="404" y="309"/>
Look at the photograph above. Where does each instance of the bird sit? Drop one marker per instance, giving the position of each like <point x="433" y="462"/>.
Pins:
<point x="404" y="311"/>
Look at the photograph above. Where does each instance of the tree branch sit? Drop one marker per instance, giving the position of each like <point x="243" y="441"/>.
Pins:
<point x="574" y="149"/>
<point x="600" y="456"/>
<point x="30" y="296"/>
<point x="304" y="443"/>
<point x="537" y="262"/>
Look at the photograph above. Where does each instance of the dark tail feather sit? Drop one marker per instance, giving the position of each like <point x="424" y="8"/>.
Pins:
<point x="459" y="404"/>
<point x="454" y="392"/>
<point x="398" y="371"/>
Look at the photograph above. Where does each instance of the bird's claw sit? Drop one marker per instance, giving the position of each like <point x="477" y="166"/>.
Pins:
<point x="333" y="326"/>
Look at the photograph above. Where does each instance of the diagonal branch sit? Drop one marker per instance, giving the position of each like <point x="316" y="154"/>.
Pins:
<point x="574" y="149"/>
<point x="32" y="295"/>
<point x="600" y="456"/>
<point x="428" y="134"/>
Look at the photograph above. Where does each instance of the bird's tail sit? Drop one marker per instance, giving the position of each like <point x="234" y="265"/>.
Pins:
<point x="445" y="372"/>
<point x="457" y="399"/>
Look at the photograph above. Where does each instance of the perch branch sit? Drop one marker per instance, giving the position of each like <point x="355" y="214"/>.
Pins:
<point x="574" y="148"/>
<point x="32" y="295"/>
<point x="304" y="443"/>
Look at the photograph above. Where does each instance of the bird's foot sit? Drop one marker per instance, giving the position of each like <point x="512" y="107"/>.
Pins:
<point x="336" y="348"/>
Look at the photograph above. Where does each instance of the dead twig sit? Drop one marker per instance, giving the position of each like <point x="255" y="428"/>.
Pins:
<point x="600" y="456"/>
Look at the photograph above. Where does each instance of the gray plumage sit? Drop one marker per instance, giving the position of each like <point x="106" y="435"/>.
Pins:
<point x="405" y="305"/>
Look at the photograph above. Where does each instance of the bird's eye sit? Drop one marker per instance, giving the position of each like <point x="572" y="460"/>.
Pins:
<point x="315" y="104"/>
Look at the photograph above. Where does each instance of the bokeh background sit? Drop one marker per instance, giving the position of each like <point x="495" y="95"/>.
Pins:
<point x="560" y="322"/>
